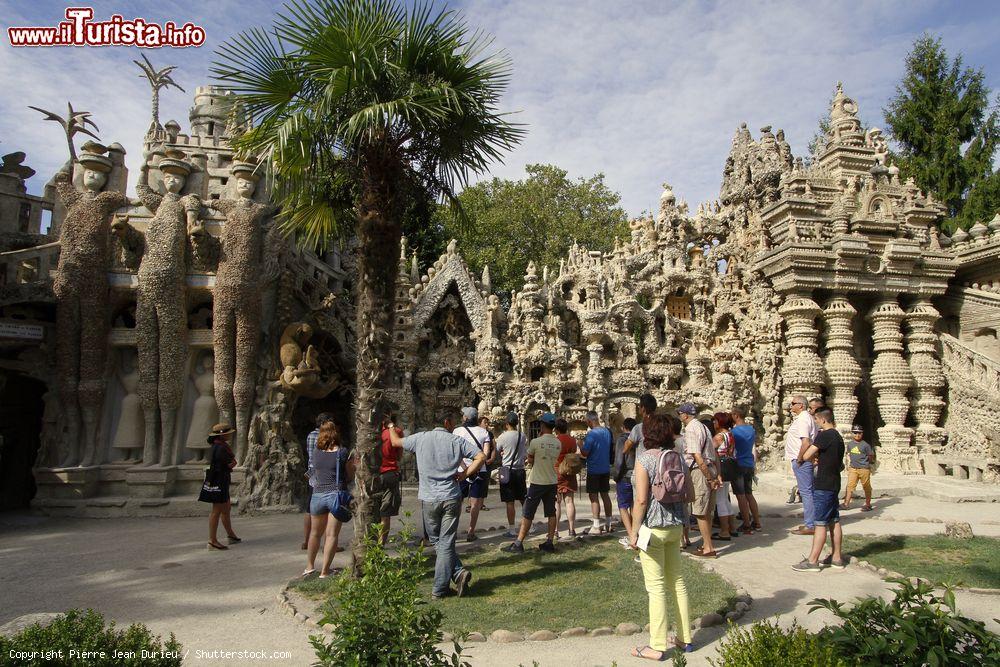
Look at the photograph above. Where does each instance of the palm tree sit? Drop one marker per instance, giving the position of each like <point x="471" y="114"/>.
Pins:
<point x="360" y="107"/>
<point x="75" y="122"/>
<point x="158" y="80"/>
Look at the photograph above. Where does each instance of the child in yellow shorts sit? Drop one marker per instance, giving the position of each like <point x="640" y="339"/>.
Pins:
<point x="862" y="455"/>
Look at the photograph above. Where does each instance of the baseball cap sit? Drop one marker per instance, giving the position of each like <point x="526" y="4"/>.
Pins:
<point x="687" y="409"/>
<point x="470" y="413"/>
<point x="857" y="428"/>
<point x="548" y="418"/>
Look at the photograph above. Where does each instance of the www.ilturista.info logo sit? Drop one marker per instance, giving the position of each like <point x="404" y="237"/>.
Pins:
<point x="79" y="30"/>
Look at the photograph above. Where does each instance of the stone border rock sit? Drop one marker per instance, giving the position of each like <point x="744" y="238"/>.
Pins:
<point x="741" y="603"/>
<point x="887" y="574"/>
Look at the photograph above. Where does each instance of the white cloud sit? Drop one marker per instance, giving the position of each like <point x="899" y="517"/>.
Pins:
<point x="642" y="91"/>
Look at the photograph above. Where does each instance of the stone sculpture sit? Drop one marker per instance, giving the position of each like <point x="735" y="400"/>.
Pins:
<point x="236" y="310"/>
<point x="206" y="412"/>
<point x="130" y="432"/>
<point x="81" y="288"/>
<point x="161" y="318"/>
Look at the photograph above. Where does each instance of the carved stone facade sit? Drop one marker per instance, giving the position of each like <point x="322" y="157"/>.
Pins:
<point x="827" y="279"/>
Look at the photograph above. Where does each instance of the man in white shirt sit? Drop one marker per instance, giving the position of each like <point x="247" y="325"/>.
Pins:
<point x="801" y="434"/>
<point x="476" y="487"/>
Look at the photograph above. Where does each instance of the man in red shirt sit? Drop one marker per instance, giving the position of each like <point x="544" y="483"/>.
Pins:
<point x="390" y="496"/>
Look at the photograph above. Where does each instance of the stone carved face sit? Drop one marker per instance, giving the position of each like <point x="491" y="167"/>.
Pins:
<point x="173" y="182"/>
<point x="245" y="187"/>
<point x="94" y="180"/>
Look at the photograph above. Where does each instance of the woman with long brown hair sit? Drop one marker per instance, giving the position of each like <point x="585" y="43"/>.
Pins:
<point x="331" y="474"/>
<point x="660" y="555"/>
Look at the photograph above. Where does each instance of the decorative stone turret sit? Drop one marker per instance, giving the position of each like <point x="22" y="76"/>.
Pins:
<point x="891" y="378"/>
<point x="843" y="373"/>
<point x="803" y="369"/>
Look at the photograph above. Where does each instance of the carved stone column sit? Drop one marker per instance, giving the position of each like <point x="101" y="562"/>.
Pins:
<point x="596" y="392"/>
<point x="928" y="376"/>
<point x="843" y="373"/>
<point x="891" y="378"/>
<point x="802" y="371"/>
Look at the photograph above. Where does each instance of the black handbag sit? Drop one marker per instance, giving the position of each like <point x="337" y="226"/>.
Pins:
<point x="730" y="470"/>
<point x="211" y="492"/>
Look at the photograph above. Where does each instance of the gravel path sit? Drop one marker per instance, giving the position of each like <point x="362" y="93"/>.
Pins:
<point x="159" y="572"/>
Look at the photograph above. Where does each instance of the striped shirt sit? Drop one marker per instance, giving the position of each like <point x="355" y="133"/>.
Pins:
<point x="311" y="441"/>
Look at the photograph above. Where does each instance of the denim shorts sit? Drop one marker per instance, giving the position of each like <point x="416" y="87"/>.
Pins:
<point x="827" y="507"/>
<point x="623" y="489"/>
<point x="322" y="503"/>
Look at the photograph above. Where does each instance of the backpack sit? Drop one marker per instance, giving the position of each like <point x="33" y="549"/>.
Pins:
<point x="671" y="483"/>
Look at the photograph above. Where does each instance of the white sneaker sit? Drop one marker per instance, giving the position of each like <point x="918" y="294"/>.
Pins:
<point x="511" y="534"/>
<point x="624" y="542"/>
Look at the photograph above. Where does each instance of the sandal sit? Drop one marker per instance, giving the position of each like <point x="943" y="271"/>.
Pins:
<point x="233" y="539"/>
<point x="686" y="544"/>
<point x="220" y="547"/>
<point x="757" y="526"/>
<point x="726" y="538"/>
<point x="681" y="646"/>
<point x="867" y="508"/>
<point x="306" y="573"/>
<point x="704" y="554"/>
<point x="638" y="652"/>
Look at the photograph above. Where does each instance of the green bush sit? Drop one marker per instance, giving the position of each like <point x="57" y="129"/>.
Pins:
<point x="918" y="627"/>
<point x="381" y="618"/>
<point x="81" y="638"/>
<point x="767" y="643"/>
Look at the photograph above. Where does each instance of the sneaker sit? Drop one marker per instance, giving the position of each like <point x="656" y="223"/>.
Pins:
<point x="806" y="566"/>
<point x="624" y="542"/>
<point x="835" y="564"/>
<point x="511" y="534"/>
<point x="547" y="547"/>
<point x="637" y="560"/>
<point x="513" y="548"/>
<point x="462" y="582"/>
<point x="440" y="596"/>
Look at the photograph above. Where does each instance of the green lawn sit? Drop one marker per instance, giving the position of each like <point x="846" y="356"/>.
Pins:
<point x="591" y="585"/>
<point x="974" y="562"/>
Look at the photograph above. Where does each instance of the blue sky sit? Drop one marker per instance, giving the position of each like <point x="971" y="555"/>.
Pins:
<point x="644" y="92"/>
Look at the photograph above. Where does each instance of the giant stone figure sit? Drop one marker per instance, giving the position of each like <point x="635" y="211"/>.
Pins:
<point x="236" y="309"/>
<point x="81" y="289"/>
<point x="161" y="320"/>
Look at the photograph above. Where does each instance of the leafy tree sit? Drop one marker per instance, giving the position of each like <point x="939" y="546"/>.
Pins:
<point x="361" y="107"/>
<point x="536" y="219"/>
<point x="946" y="130"/>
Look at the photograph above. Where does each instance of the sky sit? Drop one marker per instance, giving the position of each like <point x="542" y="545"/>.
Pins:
<point x="643" y="92"/>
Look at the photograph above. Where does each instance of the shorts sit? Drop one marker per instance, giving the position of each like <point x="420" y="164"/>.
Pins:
<point x="476" y="487"/>
<point x="827" y="507"/>
<point x="568" y="484"/>
<point x="598" y="483"/>
<point x="623" y="490"/>
<point x="323" y="503"/>
<point x="539" y="493"/>
<point x="743" y="484"/>
<point x="704" y="495"/>
<point x="515" y="487"/>
<point x="390" y="495"/>
<point x="855" y="475"/>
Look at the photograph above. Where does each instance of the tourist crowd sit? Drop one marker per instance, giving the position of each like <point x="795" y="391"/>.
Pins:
<point x="674" y="474"/>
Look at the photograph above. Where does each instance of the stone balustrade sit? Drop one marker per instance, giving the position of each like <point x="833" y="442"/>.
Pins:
<point x="29" y="265"/>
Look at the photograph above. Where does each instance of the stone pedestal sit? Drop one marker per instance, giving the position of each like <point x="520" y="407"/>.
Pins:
<point x="151" y="481"/>
<point x="67" y="483"/>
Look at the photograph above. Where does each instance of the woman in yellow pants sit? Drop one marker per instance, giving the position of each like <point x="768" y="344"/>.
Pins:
<point x="661" y="557"/>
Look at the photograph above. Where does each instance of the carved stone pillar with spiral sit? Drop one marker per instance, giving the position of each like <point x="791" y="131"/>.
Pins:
<point x="843" y="373"/>
<point x="802" y="370"/>
<point x="891" y="379"/>
<point x="928" y="376"/>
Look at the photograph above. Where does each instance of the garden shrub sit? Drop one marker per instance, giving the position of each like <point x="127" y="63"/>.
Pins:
<point x="380" y="617"/>
<point x="81" y="638"/>
<point x="917" y="627"/>
<point x="767" y="643"/>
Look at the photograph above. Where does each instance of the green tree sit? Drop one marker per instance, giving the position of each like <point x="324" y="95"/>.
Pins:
<point x="360" y="108"/>
<point x="946" y="129"/>
<point x="511" y="223"/>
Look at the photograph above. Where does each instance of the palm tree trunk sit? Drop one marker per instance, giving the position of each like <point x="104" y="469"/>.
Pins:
<point x="379" y="233"/>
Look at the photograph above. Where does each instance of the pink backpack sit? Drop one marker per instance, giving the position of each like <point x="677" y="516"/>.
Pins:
<point x="671" y="484"/>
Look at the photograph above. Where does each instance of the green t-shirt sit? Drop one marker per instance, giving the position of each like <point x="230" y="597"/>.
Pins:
<point x="545" y="449"/>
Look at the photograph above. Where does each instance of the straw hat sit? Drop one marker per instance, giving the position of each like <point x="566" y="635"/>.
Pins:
<point x="219" y="429"/>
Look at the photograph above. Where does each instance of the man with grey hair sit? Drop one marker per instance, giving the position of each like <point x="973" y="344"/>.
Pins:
<point x="597" y="449"/>
<point x="800" y="436"/>
<point x="439" y="453"/>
